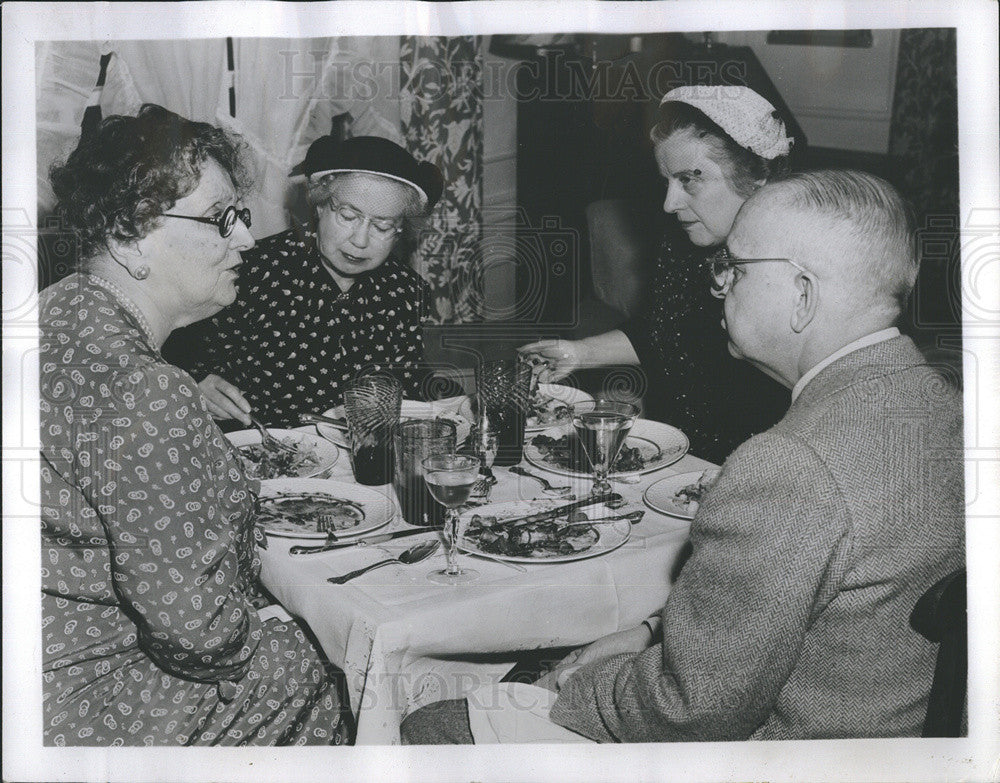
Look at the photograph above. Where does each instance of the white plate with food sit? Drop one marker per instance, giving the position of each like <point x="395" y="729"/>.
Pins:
<point x="491" y="531"/>
<point x="679" y="496"/>
<point x="291" y="508"/>
<point x="448" y="409"/>
<point x="311" y="455"/>
<point x="551" y="405"/>
<point x="650" y="445"/>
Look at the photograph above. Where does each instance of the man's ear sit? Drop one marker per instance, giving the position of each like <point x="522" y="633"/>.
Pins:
<point x="806" y="303"/>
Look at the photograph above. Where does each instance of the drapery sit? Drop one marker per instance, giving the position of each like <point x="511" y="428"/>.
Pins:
<point x="441" y="115"/>
<point x="923" y="136"/>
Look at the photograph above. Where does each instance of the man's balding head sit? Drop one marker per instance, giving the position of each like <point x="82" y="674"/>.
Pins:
<point x="849" y="239"/>
<point x="852" y="226"/>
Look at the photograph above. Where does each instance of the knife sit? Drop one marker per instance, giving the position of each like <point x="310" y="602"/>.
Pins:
<point x="379" y="539"/>
<point x="558" y="511"/>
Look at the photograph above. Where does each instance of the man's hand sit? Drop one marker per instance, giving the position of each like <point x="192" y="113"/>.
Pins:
<point x="631" y="640"/>
<point x="225" y="401"/>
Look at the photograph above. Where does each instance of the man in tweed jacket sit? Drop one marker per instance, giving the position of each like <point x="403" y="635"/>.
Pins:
<point x="790" y="619"/>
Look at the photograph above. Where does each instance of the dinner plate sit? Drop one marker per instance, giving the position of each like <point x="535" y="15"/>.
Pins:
<point x="326" y="452"/>
<point x="659" y="444"/>
<point x="662" y="495"/>
<point x="374" y="509"/>
<point x="610" y="536"/>
<point x="448" y="408"/>
<point x="567" y="395"/>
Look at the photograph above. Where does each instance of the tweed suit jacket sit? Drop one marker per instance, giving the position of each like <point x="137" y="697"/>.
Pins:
<point x="790" y="619"/>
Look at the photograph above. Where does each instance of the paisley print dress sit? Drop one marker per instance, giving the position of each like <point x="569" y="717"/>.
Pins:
<point x="150" y="631"/>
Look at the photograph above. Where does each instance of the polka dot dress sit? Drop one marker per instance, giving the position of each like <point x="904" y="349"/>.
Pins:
<point x="150" y="631"/>
<point x="293" y="338"/>
<point x="692" y="381"/>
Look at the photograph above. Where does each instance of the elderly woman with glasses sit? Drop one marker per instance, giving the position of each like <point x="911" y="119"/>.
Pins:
<point x="714" y="146"/>
<point x="316" y="308"/>
<point x="151" y="633"/>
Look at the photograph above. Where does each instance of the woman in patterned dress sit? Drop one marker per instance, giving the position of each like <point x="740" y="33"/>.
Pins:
<point x="714" y="147"/>
<point x="315" y="309"/>
<point x="151" y="634"/>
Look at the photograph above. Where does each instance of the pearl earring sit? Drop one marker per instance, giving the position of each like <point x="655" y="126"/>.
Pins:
<point x="141" y="273"/>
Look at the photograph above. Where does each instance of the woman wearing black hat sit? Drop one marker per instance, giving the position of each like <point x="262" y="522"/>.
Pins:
<point x="317" y="308"/>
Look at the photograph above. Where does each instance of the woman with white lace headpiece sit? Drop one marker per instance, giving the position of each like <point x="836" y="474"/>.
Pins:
<point x="714" y="147"/>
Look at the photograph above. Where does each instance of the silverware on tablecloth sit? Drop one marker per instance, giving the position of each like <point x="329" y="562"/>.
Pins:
<point x="315" y="418"/>
<point x="337" y="543"/>
<point x="553" y="513"/>
<point x="546" y="486"/>
<point x="413" y="555"/>
<point x="632" y="517"/>
<point x="267" y="440"/>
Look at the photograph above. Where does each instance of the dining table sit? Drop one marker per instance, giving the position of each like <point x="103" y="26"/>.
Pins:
<point x="403" y="641"/>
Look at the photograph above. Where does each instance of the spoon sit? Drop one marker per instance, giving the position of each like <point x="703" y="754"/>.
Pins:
<point x="414" y="554"/>
<point x="546" y="486"/>
<point x="267" y="440"/>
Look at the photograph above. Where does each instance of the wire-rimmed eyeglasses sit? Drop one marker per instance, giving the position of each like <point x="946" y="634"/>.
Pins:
<point x="225" y="222"/>
<point x="722" y="266"/>
<point x="382" y="229"/>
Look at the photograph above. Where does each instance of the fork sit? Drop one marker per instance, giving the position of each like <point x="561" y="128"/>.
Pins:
<point x="546" y="486"/>
<point x="267" y="440"/>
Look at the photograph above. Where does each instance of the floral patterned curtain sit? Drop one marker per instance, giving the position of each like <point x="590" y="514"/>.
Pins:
<point x="923" y="138"/>
<point x="441" y="114"/>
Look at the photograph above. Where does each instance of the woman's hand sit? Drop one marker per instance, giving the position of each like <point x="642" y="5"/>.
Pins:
<point x="225" y="401"/>
<point x="559" y="357"/>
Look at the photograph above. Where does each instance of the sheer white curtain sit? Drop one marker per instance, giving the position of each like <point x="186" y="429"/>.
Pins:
<point x="287" y="92"/>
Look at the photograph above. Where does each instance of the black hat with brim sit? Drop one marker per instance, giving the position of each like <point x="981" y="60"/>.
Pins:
<point x="372" y="155"/>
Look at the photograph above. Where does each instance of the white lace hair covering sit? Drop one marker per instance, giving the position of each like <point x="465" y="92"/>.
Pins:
<point x="749" y="119"/>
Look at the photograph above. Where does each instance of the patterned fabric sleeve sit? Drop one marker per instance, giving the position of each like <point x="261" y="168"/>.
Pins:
<point x="157" y="494"/>
<point x="734" y="622"/>
<point x="414" y="312"/>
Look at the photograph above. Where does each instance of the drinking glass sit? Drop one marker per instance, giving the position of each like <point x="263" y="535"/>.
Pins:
<point x="415" y="441"/>
<point x="601" y="427"/>
<point x="503" y="394"/>
<point x="450" y="478"/>
<point x="372" y="404"/>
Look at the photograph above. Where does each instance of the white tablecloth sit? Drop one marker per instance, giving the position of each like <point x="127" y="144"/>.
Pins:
<point x="403" y="641"/>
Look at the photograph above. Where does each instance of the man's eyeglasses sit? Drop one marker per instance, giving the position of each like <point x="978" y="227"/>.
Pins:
<point x="722" y="265"/>
<point x="226" y="222"/>
<point x="382" y="229"/>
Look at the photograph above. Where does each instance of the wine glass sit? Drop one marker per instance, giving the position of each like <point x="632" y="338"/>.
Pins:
<point x="601" y="427"/>
<point x="449" y="478"/>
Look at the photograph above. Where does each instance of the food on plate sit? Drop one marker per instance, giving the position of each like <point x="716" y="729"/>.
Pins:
<point x="299" y="512"/>
<point x="546" y="410"/>
<point x="541" y="539"/>
<point x="690" y="496"/>
<point x="567" y="452"/>
<point x="263" y="463"/>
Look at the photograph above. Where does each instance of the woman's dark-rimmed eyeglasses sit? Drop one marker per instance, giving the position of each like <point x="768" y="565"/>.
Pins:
<point x="225" y="222"/>
<point x="722" y="266"/>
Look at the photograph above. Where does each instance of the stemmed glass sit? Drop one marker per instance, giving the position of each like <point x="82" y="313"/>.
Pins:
<point x="602" y="426"/>
<point x="449" y="478"/>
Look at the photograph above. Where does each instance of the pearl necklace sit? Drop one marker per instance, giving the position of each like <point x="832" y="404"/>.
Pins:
<point x="128" y="304"/>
